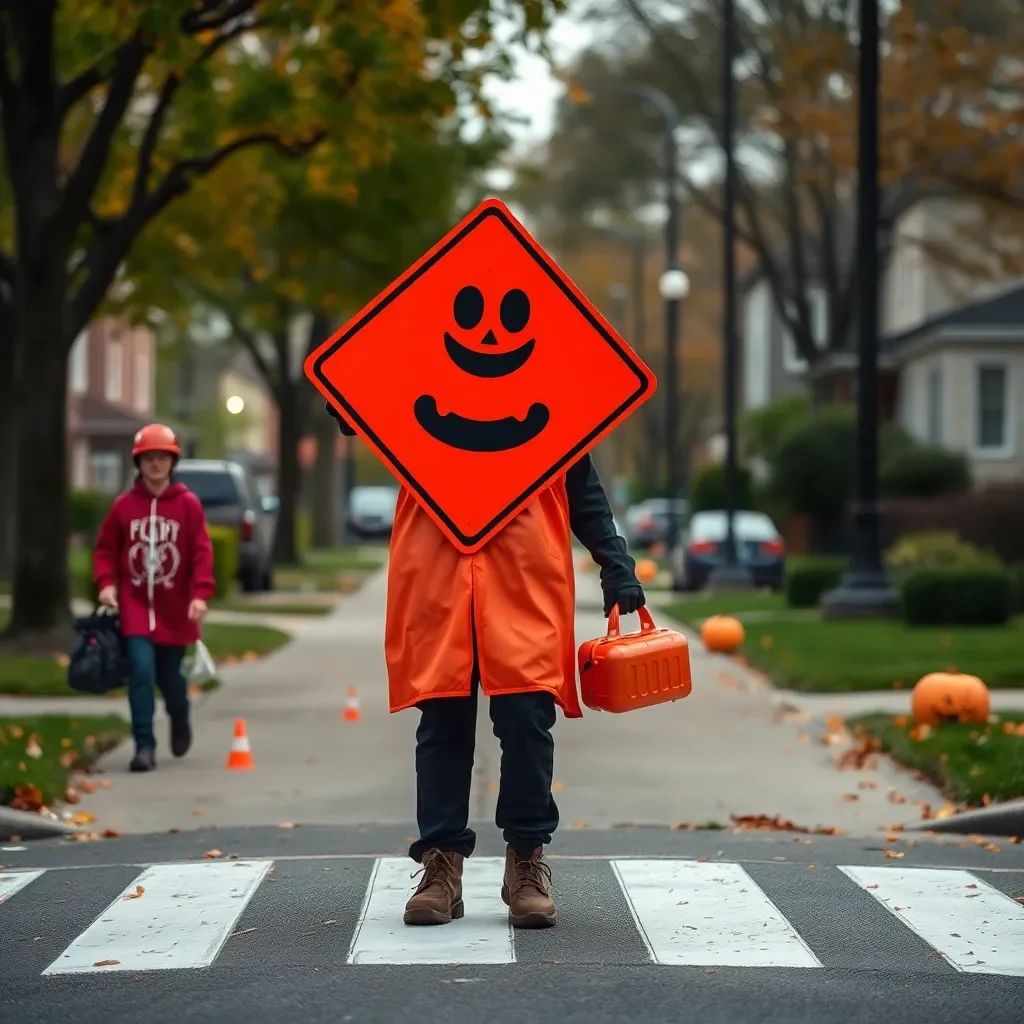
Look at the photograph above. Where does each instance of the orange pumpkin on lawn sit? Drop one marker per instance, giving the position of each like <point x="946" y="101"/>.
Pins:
<point x="950" y="697"/>
<point x="646" y="570"/>
<point x="722" y="633"/>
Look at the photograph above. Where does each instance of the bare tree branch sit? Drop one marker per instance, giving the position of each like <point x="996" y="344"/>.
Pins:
<point x="83" y="181"/>
<point x="208" y="17"/>
<point x="78" y="87"/>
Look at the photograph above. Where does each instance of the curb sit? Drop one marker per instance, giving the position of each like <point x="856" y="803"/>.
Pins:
<point x="1005" y="819"/>
<point x="25" y="825"/>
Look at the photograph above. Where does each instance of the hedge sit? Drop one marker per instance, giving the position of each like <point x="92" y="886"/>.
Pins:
<point x="225" y="559"/>
<point x="958" y="595"/>
<point x="86" y="511"/>
<point x="808" y="578"/>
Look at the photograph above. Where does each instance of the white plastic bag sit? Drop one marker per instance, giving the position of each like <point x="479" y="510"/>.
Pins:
<point x="201" y="666"/>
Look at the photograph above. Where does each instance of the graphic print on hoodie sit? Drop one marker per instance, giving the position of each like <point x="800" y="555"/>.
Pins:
<point x="156" y="550"/>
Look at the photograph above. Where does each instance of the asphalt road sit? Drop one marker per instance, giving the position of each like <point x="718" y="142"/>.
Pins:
<point x="656" y="925"/>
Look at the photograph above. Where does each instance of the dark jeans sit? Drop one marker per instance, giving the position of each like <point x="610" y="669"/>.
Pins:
<point x="445" y="742"/>
<point x="154" y="665"/>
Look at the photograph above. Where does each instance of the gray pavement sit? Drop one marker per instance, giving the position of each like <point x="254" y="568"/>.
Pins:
<point x="655" y="926"/>
<point x="730" y="748"/>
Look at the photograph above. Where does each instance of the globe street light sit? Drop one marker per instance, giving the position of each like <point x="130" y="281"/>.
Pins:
<point x="674" y="285"/>
<point x="235" y="404"/>
<point x="670" y="114"/>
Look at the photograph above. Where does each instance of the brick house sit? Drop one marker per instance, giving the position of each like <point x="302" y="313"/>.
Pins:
<point x="110" y="396"/>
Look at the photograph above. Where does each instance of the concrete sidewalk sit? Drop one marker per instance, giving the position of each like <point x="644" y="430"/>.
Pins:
<point x="727" y="749"/>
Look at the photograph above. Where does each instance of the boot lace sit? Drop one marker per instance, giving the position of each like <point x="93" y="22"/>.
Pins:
<point x="438" y="868"/>
<point x="531" y="874"/>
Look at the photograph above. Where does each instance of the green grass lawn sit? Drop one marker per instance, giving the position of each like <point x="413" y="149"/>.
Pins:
<point x="335" y="570"/>
<point x="968" y="762"/>
<point x="702" y="606"/>
<point x="818" y="656"/>
<point x="47" y="677"/>
<point x="59" y="743"/>
<point x="283" y="607"/>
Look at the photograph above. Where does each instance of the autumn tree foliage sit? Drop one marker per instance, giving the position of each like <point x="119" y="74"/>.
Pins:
<point x="950" y="127"/>
<point x="110" y="112"/>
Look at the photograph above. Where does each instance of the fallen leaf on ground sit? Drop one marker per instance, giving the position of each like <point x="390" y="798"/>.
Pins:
<point x="244" y="931"/>
<point x="1013" y="839"/>
<point x="106" y="963"/>
<point x="579" y="823"/>
<point x="874" y="886"/>
<point x="920" y="732"/>
<point x="110" y="833"/>
<point x="139" y="890"/>
<point x="849" y="798"/>
<point x="87" y="787"/>
<point x="287" y="824"/>
<point x="83" y="818"/>
<point x="891" y="838"/>
<point x="33" y="749"/>
<point x="973" y="885"/>
<point x="555" y="786"/>
<point x="992" y="848"/>
<point x="896" y="798"/>
<point x="894" y="853"/>
<point x="900" y="721"/>
<point x="777" y="823"/>
<point x="106" y="784"/>
<point x="863" y="756"/>
<point x="867" y="784"/>
<point x="212" y="854"/>
<point x="198" y="811"/>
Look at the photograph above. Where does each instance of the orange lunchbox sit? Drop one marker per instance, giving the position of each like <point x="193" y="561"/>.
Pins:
<point x="624" y="672"/>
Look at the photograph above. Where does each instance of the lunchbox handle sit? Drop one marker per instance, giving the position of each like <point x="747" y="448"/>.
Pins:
<point x="646" y="622"/>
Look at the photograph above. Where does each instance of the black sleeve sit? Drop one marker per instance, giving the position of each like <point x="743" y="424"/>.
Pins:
<point x="590" y="519"/>
<point x="342" y="425"/>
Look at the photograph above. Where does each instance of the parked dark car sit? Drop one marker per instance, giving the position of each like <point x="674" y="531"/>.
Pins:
<point x="230" y="497"/>
<point x="759" y="547"/>
<point x="647" y="522"/>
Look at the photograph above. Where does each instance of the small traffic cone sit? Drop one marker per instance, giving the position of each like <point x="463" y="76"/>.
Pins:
<point x="352" y="712"/>
<point x="240" y="758"/>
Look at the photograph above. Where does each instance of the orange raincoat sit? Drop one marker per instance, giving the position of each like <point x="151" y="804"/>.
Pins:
<point x="507" y="610"/>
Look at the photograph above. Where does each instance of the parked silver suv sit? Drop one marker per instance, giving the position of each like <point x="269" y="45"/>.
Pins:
<point x="230" y="498"/>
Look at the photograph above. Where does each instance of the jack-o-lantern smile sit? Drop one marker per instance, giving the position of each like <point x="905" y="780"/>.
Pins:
<point x="473" y="435"/>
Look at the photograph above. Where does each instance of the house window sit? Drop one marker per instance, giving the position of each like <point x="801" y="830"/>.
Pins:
<point x="991" y="424"/>
<point x="107" y="469"/>
<point x="143" y="381"/>
<point x="935" y="405"/>
<point x="78" y="370"/>
<point x="115" y="371"/>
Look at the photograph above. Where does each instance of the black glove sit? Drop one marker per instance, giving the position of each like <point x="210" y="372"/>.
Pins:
<point x="628" y="598"/>
<point x="342" y="425"/>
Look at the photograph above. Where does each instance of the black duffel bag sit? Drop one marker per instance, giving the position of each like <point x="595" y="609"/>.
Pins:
<point x="98" y="662"/>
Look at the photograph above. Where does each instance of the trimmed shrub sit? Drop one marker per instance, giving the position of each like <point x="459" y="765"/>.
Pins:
<point x="707" y="489"/>
<point x="808" y="578"/>
<point x="958" y="595"/>
<point x="923" y="472"/>
<point x="225" y="559"/>
<point x="931" y="549"/>
<point x="86" y="511"/>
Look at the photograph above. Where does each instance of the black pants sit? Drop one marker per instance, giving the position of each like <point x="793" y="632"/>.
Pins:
<point x="445" y="742"/>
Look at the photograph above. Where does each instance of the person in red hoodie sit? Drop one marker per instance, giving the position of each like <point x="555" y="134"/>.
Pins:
<point x="153" y="561"/>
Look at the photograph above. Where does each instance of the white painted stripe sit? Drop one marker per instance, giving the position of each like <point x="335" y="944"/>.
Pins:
<point x="181" y="920"/>
<point x="976" y="928"/>
<point x="16" y="880"/>
<point x="708" y="914"/>
<point x="482" y="936"/>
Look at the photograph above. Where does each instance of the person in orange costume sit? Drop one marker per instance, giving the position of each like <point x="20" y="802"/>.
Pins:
<point x="500" y="620"/>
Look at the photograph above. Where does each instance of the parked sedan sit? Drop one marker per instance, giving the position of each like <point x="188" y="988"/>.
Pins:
<point x="647" y="522"/>
<point x="759" y="548"/>
<point x="371" y="511"/>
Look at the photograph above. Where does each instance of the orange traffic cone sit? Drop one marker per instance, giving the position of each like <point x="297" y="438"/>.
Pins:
<point x="240" y="758"/>
<point x="352" y="712"/>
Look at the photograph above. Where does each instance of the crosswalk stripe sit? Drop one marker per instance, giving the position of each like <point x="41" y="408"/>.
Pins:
<point x="714" y="914"/>
<point x="171" y="916"/>
<point x="483" y="936"/>
<point x="13" y="882"/>
<point x="977" y="928"/>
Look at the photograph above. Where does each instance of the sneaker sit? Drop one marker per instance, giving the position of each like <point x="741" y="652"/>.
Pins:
<point x="143" y="761"/>
<point x="181" y="736"/>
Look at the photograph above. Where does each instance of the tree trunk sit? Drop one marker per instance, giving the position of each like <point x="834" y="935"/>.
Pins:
<point x="289" y="477"/>
<point x="326" y="485"/>
<point x="40" y="592"/>
<point x="8" y="450"/>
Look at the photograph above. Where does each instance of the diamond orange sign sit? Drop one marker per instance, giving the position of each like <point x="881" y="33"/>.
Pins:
<point x="480" y="375"/>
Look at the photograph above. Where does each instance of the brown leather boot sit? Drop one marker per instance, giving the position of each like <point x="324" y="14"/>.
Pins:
<point x="527" y="892"/>
<point x="438" y="898"/>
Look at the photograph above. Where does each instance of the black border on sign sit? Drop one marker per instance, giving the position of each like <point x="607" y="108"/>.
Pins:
<point x="566" y="460"/>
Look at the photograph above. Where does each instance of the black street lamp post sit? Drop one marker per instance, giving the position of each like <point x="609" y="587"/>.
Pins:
<point x="865" y="591"/>
<point x="674" y="286"/>
<point x="729" y="573"/>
